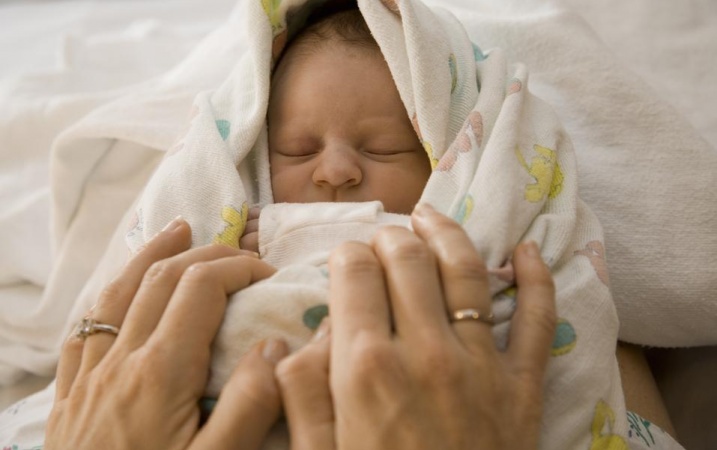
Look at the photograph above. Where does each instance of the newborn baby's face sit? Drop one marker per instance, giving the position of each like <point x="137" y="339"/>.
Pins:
<point x="338" y="131"/>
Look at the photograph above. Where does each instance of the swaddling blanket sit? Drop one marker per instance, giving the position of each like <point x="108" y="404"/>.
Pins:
<point x="502" y="167"/>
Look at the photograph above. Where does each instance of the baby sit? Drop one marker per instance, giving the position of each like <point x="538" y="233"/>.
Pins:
<point x="338" y="130"/>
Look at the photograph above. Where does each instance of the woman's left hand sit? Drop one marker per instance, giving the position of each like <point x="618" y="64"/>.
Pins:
<point x="140" y="389"/>
<point x="403" y="374"/>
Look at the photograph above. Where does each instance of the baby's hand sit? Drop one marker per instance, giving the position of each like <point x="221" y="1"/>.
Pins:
<point x="250" y="239"/>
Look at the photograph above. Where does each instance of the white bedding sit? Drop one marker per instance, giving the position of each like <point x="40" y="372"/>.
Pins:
<point x="56" y="67"/>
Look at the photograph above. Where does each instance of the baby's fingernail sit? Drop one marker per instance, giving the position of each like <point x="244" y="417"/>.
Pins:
<point x="323" y="330"/>
<point x="530" y="248"/>
<point x="174" y="224"/>
<point x="274" y="350"/>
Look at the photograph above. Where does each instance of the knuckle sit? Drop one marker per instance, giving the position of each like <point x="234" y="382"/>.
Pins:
<point x="259" y="388"/>
<point x="539" y="276"/>
<point x="404" y="250"/>
<point x="544" y="279"/>
<point x="112" y="293"/>
<point x="149" y="369"/>
<point x="161" y="271"/>
<point x="255" y="390"/>
<point x="467" y="265"/>
<point x="199" y="272"/>
<point x="439" y="367"/>
<point x="353" y="257"/>
<point x="371" y="359"/>
<point x="543" y="319"/>
<point x="220" y="251"/>
<point x="294" y="369"/>
<point x="72" y="345"/>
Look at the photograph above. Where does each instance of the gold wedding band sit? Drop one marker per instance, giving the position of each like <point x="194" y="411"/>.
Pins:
<point x="472" y="314"/>
<point x="89" y="326"/>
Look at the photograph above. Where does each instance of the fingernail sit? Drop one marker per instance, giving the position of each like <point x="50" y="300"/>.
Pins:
<point x="323" y="330"/>
<point x="274" y="350"/>
<point x="174" y="224"/>
<point x="531" y="249"/>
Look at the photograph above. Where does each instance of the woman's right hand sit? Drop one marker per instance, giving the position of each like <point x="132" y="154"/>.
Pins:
<point x="141" y="388"/>
<point x="402" y="375"/>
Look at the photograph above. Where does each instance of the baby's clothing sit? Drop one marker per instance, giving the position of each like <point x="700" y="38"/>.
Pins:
<point x="297" y="239"/>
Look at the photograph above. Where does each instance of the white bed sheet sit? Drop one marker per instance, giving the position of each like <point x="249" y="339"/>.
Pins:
<point x="59" y="60"/>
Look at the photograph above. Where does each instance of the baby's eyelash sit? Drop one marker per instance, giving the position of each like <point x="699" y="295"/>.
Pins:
<point x="385" y="152"/>
<point x="296" y="154"/>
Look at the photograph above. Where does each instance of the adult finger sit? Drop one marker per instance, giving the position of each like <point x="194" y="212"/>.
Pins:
<point x="196" y="309"/>
<point x="67" y="366"/>
<point x="357" y="295"/>
<point x="533" y="328"/>
<point x="249" y="404"/>
<point x="463" y="274"/>
<point x="158" y="285"/>
<point x="304" y="382"/>
<point x="414" y="286"/>
<point x="117" y="296"/>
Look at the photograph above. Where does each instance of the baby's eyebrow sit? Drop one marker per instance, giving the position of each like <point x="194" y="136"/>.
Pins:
<point x="295" y="139"/>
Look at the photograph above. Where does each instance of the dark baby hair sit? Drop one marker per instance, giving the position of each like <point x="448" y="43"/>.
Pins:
<point x="335" y="22"/>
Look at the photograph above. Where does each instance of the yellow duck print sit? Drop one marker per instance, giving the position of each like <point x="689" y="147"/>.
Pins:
<point x="604" y="415"/>
<point x="547" y="173"/>
<point x="235" y="223"/>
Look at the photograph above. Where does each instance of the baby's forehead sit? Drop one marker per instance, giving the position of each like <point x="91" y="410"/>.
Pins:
<point x="302" y="50"/>
<point x="306" y="58"/>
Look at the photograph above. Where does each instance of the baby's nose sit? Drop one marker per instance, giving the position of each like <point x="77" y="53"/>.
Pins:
<point x="338" y="167"/>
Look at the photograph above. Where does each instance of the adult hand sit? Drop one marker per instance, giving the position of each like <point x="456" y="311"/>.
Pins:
<point x="140" y="389"/>
<point x="402" y="375"/>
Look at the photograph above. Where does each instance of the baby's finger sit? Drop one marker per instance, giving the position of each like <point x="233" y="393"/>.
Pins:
<point x="252" y="225"/>
<point x="533" y="328"/>
<point x="304" y="382"/>
<point x="254" y="213"/>
<point x="249" y="404"/>
<point x="249" y="242"/>
<point x="196" y="309"/>
<point x="116" y="298"/>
